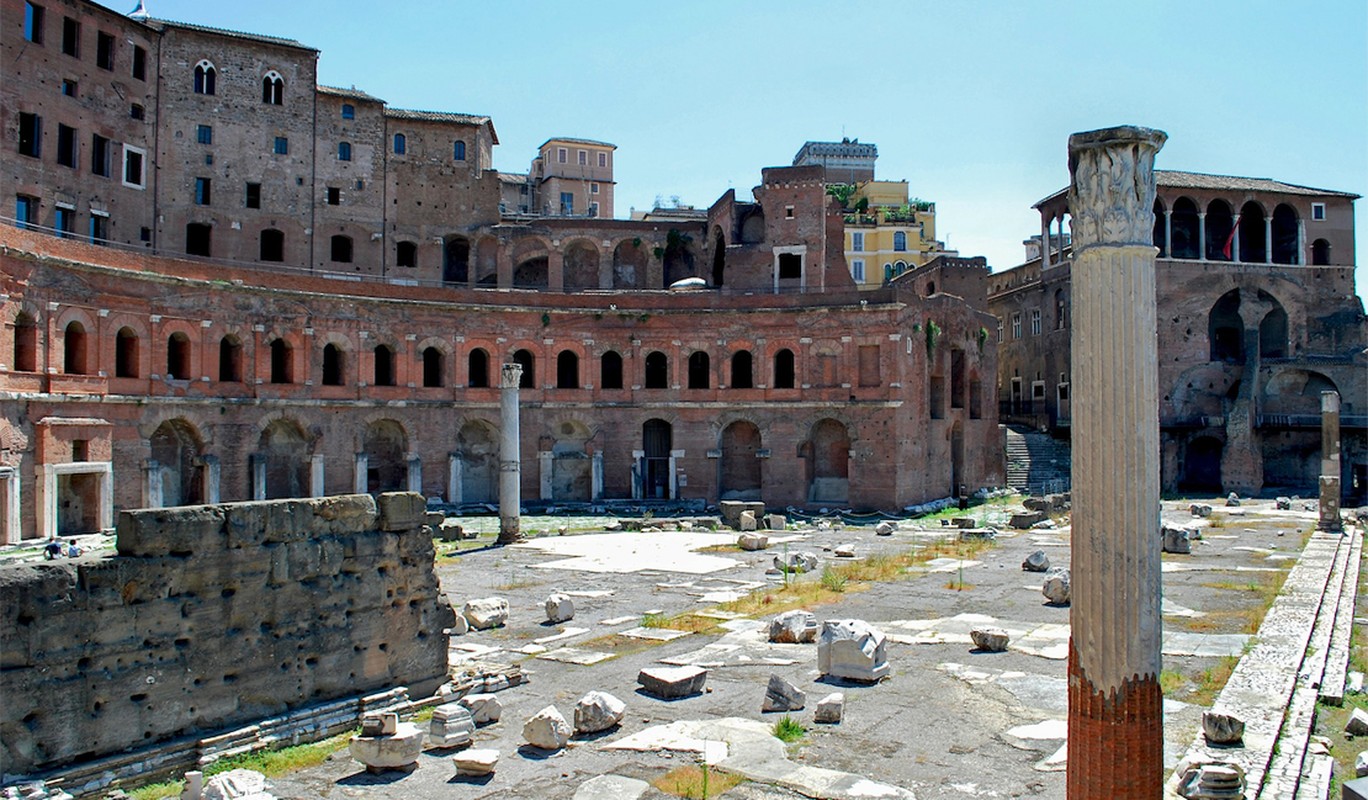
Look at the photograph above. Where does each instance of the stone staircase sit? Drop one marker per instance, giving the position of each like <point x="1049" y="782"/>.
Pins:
<point x="1037" y="463"/>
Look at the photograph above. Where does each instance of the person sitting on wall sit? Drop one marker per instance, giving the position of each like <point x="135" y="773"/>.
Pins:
<point x="73" y="549"/>
<point x="53" y="549"/>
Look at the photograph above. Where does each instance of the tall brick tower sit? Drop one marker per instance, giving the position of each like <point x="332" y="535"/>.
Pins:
<point x="1116" y="724"/>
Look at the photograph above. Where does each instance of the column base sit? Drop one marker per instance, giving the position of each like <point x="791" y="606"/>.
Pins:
<point x="1116" y="740"/>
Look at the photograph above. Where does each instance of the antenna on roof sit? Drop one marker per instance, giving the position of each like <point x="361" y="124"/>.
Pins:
<point x="140" y="12"/>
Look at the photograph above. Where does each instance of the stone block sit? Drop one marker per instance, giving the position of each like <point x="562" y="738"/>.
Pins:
<point x="1177" y="540"/>
<point x="669" y="683"/>
<point x="884" y="528"/>
<point x="234" y="784"/>
<point x="963" y="523"/>
<point x="730" y="511"/>
<point x="163" y="531"/>
<point x="1214" y="781"/>
<point x="450" y="531"/>
<point x="1233" y="499"/>
<point x="461" y="626"/>
<point x="346" y="513"/>
<point x="401" y="511"/>
<point x="1361" y="764"/>
<point x="1221" y="728"/>
<point x="748" y="520"/>
<point x="397" y="750"/>
<point x="776" y="522"/>
<point x="796" y="562"/>
<point x="547" y="729"/>
<point x="752" y="541"/>
<point x="992" y="640"/>
<point x="845" y="550"/>
<point x="476" y="763"/>
<point x="1058" y="586"/>
<point x="1199" y="510"/>
<point x="485" y="613"/>
<point x="852" y="649"/>
<point x="451" y="726"/>
<point x="559" y="607"/>
<point x="793" y="627"/>
<point x="1036" y="504"/>
<point x="1358" y="723"/>
<point x="830" y="709"/>
<point x="1036" y="562"/>
<point x="484" y="708"/>
<point x="780" y="695"/>
<point x="598" y="711"/>
<point x="1023" y="520"/>
<point x="1283" y="504"/>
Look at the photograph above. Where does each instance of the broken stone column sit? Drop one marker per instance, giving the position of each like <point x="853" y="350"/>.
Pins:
<point x="1330" y="463"/>
<point x="1115" y="713"/>
<point x="510" y="460"/>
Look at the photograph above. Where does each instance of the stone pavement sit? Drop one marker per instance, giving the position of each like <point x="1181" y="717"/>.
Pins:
<point x="950" y="722"/>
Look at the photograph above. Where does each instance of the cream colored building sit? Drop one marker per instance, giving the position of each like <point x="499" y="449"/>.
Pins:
<point x="887" y="234"/>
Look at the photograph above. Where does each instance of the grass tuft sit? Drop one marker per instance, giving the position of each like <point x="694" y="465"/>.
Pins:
<point x="833" y="579"/>
<point x="788" y="729"/>
<point x="696" y="782"/>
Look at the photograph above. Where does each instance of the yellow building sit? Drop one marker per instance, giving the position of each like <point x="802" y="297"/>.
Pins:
<point x="886" y="233"/>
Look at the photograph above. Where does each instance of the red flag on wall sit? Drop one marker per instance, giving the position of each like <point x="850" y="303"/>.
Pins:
<point x="1230" y="240"/>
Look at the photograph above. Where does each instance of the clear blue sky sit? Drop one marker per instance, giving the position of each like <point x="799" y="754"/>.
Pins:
<point x="972" y="102"/>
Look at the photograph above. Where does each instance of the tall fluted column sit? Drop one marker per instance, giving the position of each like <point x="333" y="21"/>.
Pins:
<point x="510" y="459"/>
<point x="1330" y="463"/>
<point x="1115" y="704"/>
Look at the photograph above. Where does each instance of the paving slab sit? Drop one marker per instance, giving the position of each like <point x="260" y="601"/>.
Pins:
<point x="611" y="787"/>
<point x="571" y="655"/>
<point x="637" y="552"/>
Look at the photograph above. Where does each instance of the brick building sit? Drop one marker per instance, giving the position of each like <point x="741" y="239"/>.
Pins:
<point x="283" y="289"/>
<point x="1257" y="316"/>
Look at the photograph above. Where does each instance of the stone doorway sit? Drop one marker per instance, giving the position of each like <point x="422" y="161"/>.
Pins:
<point x="740" y="477"/>
<point x="829" y="462"/>
<point x="657" y="437"/>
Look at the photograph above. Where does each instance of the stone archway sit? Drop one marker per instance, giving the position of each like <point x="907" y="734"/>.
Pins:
<point x="176" y="449"/>
<point x="285" y="450"/>
<point x="580" y="268"/>
<point x="829" y="462"/>
<point x="571" y="464"/>
<point x="1202" y="466"/>
<point x="741" y="476"/>
<point x="386" y="449"/>
<point x="478" y="447"/>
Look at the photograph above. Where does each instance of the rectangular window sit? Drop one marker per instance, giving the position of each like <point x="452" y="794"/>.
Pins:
<point x="999" y="336"/>
<point x="99" y="155"/>
<point x="99" y="228"/>
<point x="1016" y="324"/>
<point x="1035" y="322"/>
<point x="344" y="151"/>
<point x="593" y="209"/>
<point x="584" y="158"/>
<point x="1038" y="390"/>
<point x="33" y="23"/>
<point x="603" y="159"/>
<point x="567" y="203"/>
<point x="869" y="365"/>
<point x="458" y="151"/>
<point x="360" y="184"/>
<point x="204" y="134"/>
<point x="253" y="195"/>
<point x="25" y="210"/>
<point x="790" y="266"/>
<point x="593" y="188"/>
<point x="560" y="154"/>
<point x="857" y="270"/>
<point x="104" y="50"/>
<point x="66" y="146"/>
<point x="334" y="196"/>
<point x="208" y="159"/>
<point x="348" y="111"/>
<point x="1318" y="212"/>
<point x="65" y="221"/>
<point x="134" y="167"/>
<point x="71" y="37"/>
<point x="30" y="135"/>
<point x="139" y="63"/>
<point x="136" y="111"/>
<point x="202" y="186"/>
<point x="68" y="87"/>
<point x="857" y="241"/>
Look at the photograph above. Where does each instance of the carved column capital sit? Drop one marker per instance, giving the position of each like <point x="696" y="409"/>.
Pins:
<point x="1111" y="192"/>
<point x="510" y="376"/>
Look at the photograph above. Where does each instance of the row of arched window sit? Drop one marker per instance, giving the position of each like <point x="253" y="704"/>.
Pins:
<point x="1220" y="233"/>
<point x="337" y="371"/>
<point x="272" y="83"/>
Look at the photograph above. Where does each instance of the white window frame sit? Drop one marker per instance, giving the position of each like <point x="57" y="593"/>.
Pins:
<point x="1037" y="390"/>
<point x="123" y="167"/>
<point x="583" y="158"/>
<point x="1318" y="212"/>
<point x="1035" y="322"/>
<point x="857" y="241"/>
<point x="603" y="159"/>
<point x="562" y="155"/>
<point x="1000" y="330"/>
<point x="1016" y="325"/>
<point x="593" y="188"/>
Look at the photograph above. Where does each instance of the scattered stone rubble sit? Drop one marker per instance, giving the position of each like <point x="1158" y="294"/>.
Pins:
<point x="235" y="784"/>
<point x="1213" y="782"/>
<point x="992" y="640"/>
<point x="489" y="612"/>
<point x="1200" y="510"/>
<point x="796" y="562"/>
<point x="1233" y="499"/>
<point x="752" y="541"/>
<point x="884" y="528"/>
<point x="1058" y="586"/>
<point x="385" y="743"/>
<point x="476" y="762"/>
<point x="547" y="729"/>
<point x="852" y="649"/>
<point x="780" y="695"/>
<point x="598" y="711"/>
<point x="793" y="627"/>
<point x="452" y="726"/>
<point x="559" y="608"/>
<point x="1036" y="562"/>
<point x="484" y="708"/>
<point x="1221" y="728"/>
<point x="1023" y="520"/>
<point x="1177" y="540"/>
<point x="830" y="709"/>
<point x="669" y="683"/>
<point x="1358" y="723"/>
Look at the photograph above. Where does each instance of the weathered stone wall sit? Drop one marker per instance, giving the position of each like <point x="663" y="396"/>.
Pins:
<point x="210" y="616"/>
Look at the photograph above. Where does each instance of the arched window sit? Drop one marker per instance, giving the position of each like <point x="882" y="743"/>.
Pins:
<point x="273" y="89"/>
<point x="477" y="369"/>
<point x="433" y="372"/>
<point x="205" y="77"/>
<point x="342" y="249"/>
<point x="610" y="370"/>
<point x="930" y="288"/>
<point x="900" y="241"/>
<point x="178" y="357"/>
<point x="230" y="360"/>
<point x="25" y="344"/>
<point x="1285" y="240"/>
<point x="1220" y="231"/>
<point x="400" y="144"/>
<point x="657" y="370"/>
<point x="1225" y="329"/>
<point x="1157" y="237"/>
<point x="458" y="151"/>
<point x="126" y="354"/>
<point x="567" y="370"/>
<point x="1186" y="240"/>
<point x="406" y="254"/>
<point x="334" y="365"/>
<point x="384" y="365"/>
<point x="74" y="349"/>
<point x="742" y="371"/>
<point x="344" y="151"/>
<point x="1320" y="253"/>
<point x="528" y="362"/>
<point x="456" y="260"/>
<point x="282" y="362"/>
<point x="698" y="370"/>
<point x="272" y="245"/>
<point x="783" y="369"/>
